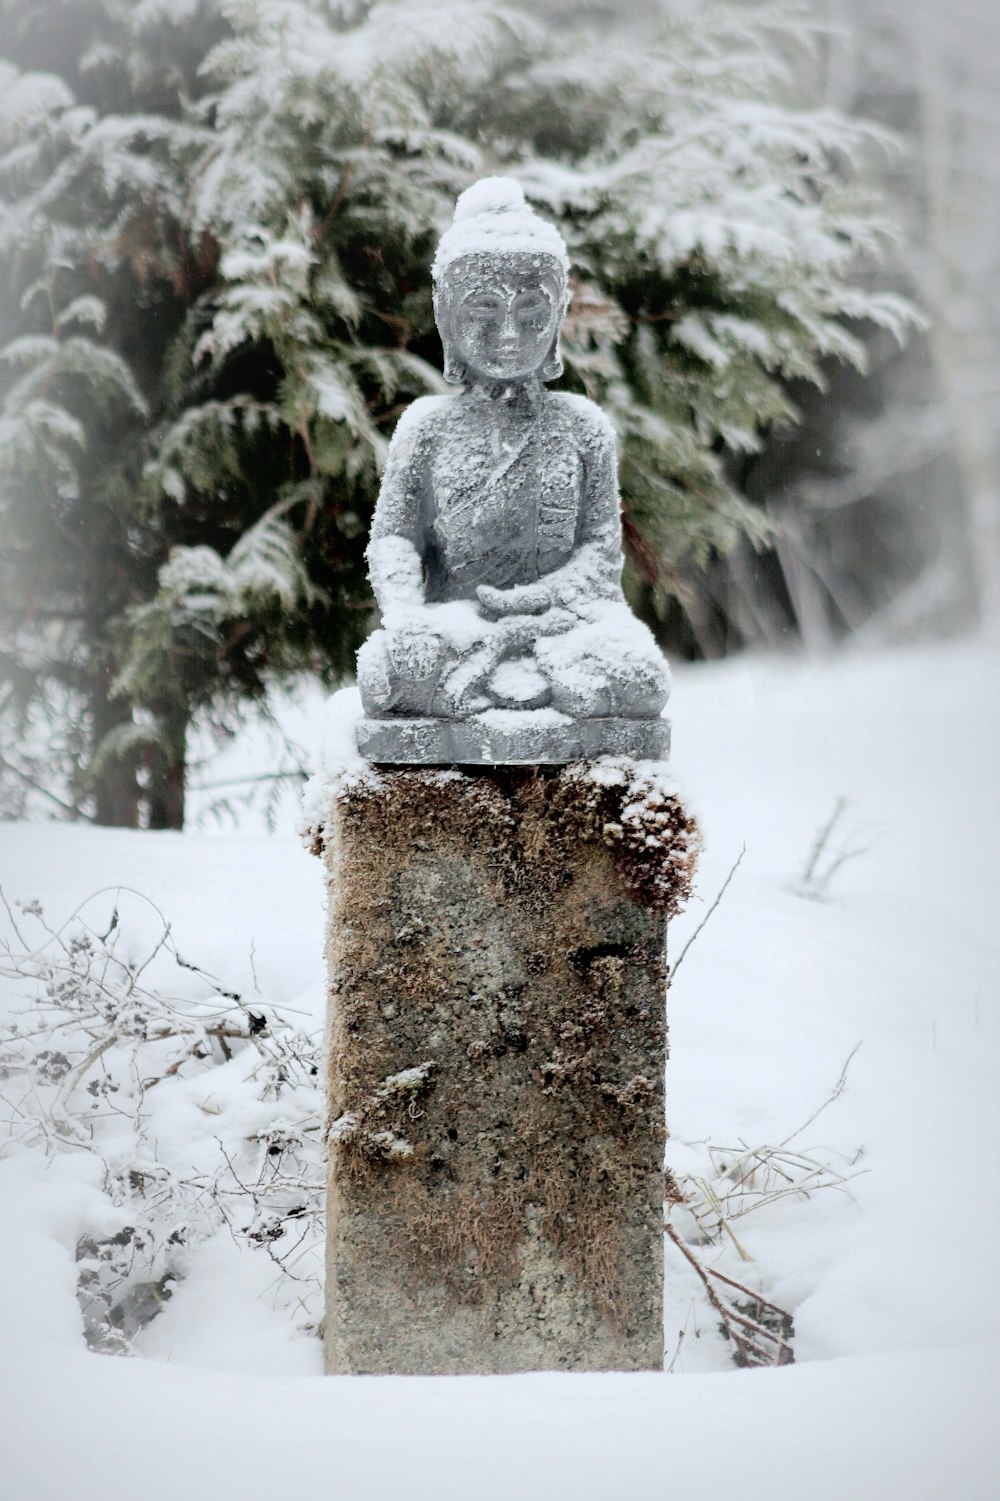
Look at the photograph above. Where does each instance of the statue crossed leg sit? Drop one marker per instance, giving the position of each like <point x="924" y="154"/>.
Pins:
<point x="586" y="669"/>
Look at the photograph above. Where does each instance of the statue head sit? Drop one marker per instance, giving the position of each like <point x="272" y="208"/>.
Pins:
<point x="499" y="288"/>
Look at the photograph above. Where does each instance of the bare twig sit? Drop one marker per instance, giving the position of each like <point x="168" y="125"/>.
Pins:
<point x="721" y="893"/>
<point x="815" y="879"/>
<point x="822" y="840"/>
<point x="13" y="920"/>
<point x="835" y="1093"/>
<point x="750" y="1337"/>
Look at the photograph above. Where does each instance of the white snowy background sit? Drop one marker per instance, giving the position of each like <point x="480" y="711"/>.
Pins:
<point x="889" y="1265"/>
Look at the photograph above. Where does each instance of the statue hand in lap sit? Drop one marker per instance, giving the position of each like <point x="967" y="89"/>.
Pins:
<point x="495" y="552"/>
<point x="522" y="599"/>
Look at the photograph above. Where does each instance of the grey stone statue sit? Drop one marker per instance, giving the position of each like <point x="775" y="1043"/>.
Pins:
<point x="495" y="552"/>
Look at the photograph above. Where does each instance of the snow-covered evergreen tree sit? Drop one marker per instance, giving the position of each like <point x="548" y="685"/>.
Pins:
<point x="94" y="152"/>
<point x="271" y="214"/>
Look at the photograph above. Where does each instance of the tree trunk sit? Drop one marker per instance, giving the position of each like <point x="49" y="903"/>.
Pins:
<point x="113" y="787"/>
<point x="169" y="779"/>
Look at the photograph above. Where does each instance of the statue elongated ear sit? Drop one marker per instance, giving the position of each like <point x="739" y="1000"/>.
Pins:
<point x="553" y="367"/>
<point x="454" y="371"/>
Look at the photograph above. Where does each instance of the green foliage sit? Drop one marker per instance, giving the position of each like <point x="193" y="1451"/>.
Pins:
<point x="219" y="217"/>
<point x="95" y="147"/>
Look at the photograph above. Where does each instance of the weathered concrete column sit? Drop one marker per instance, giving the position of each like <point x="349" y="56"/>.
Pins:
<point x="496" y="1050"/>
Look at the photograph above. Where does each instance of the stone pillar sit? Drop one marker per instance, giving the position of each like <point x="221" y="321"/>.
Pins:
<point x="497" y="1040"/>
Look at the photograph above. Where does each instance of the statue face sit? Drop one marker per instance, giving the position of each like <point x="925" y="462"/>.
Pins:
<point x="504" y="313"/>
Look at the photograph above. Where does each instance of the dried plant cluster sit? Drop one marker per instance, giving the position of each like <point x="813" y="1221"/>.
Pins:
<point x="99" y="1058"/>
<point x="703" y="1215"/>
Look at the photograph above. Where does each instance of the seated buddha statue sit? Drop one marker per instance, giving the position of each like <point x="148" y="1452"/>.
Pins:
<point x="495" y="551"/>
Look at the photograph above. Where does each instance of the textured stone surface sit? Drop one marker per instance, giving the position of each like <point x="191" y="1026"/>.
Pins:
<point x="495" y="551"/>
<point x="497" y="1040"/>
<point x="509" y="739"/>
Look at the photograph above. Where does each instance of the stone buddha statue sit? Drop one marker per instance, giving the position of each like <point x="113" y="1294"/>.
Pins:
<point x="495" y="552"/>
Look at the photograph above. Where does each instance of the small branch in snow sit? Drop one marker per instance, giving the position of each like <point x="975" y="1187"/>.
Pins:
<point x="821" y="841"/>
<point x="815" y="879"/>
<point x="749" y="1323"/>
<point x="835" y="1093"/>
<point x="721" y="893"/>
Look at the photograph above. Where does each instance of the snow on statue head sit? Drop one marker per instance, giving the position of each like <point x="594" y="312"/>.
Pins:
<point x="499" y="288"/>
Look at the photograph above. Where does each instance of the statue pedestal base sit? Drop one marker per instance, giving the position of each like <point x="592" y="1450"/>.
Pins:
<point x="510" y="737"/>
<point x="497" y="1036"/>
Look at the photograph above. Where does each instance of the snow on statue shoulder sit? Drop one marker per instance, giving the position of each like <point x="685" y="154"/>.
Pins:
<point x="495" y="552"/>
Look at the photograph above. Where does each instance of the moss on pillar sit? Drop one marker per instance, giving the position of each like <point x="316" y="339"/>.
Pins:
<point x="497" y="1042"/>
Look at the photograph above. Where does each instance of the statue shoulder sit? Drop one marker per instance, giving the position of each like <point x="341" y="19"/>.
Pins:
<point x="420" y="422"/>
<point x="584" y="418"/>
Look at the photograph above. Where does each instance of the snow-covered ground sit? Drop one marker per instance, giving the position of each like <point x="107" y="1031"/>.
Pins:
<point x="889" y="1266"/>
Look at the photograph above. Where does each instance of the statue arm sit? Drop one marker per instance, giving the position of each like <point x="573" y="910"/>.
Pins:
<point x="395" y="549"/>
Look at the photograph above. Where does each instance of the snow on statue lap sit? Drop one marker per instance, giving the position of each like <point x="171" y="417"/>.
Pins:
<point x="495" y="552"/>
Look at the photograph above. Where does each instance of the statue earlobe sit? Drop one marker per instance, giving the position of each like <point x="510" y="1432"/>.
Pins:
<point x="553" y="366"/>
<point x="454" y="370"/>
